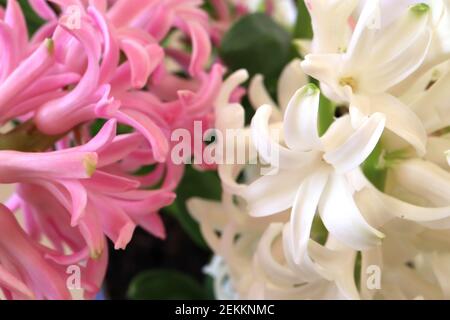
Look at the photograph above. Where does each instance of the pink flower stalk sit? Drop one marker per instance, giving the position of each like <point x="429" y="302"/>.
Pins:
<point x="86" y="186"/>
<point x="75" y="197"/>
<point x="105" y="61"/>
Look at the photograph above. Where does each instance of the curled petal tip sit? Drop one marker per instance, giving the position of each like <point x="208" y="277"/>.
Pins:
<point x="126" y="233"/>
<point x="311" y="89"/>
<point x="50" y="44"/>
<point x="420" y="9"/>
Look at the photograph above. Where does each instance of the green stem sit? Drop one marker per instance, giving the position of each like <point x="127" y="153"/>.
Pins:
<point x="27" y="138"/>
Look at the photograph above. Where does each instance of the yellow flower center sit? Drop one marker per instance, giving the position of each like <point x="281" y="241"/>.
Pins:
<point x="349" y="81"/>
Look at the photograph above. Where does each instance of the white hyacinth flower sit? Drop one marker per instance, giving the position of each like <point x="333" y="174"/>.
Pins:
<point x="388" y="62"/>
<point x="374" y="62"/>
<point x="253" y="262"/>
<point x="314" y="172"/>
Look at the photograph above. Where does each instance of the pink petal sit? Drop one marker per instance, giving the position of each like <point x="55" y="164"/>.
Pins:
<point x="201" y="48"/>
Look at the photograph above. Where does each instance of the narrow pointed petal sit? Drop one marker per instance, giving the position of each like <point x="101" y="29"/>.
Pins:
<point x="273" y="193"/>
<point x="302" y="216"/>
<point x="388" y="205"/>
<point x="358" y="146"/>
<point x="401" y="120"/>
<point x="201" y="48"/>
<point x="291" y="79"/>
<point x="258" y="94"/>
<point x="149" y="130"/>
<point x="402" y="33"/>
<point x="21" y="166"/>
<point x="229" y="85"/>
<point x="424" y="179"/>
<point x="363" y="35"/>
<point x="269" y="149"/>
<point x="392" y="72"/>
<point x="342" y="217"/>
<point x="301" y="120"/>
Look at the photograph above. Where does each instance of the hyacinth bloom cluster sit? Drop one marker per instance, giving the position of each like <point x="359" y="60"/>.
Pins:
<point x="146" y="66"/>
<point x="318" y="225"/>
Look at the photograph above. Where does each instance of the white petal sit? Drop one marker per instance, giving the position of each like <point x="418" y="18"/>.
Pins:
<point x="228" y="175"/>
<point x="302" y="215"/>
<point x="300" y="120"/>
<point x="403" y="210"/>
<point x="271" y="151"/>
<point x="212" y="216"/>
<point x="433" y="107"/>
<point x="274" y="193"/>
<point x="401" y="120"/>
<point x="207" y="210"/>
<point x="441" y="265"/>
<point x="230" y="116"/>
<point x="229" y="85"/>
<point x="401" y="34"/>
<point x="339" y="131"/>
<point x="342" y="218"/>
<point x="437" y="148"/>
<point x="424" y="179"/>
<point x="338" y="263"/>
<point x="362" y="39"/>
<point x="331" y="35"/>
<point x="326" y="69"/>
<point x="291" y="79"/>
<point x="383" y="76"/>
<point x="275" y="271"/>
<point x="358" y="146"/>
<point x="305" y="268"/>
<point x="259" y="96"/>
<point x="303" y="46"/>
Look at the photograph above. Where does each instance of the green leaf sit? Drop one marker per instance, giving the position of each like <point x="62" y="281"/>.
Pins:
<point x="194" y="184"/>
<point x="165" y="285"/>
<point x="303" y="27"/>
<point x="258" y="44"/>
<point x="326" y="114"/>
<point x="373" y="170"/>
<point x="357" y="269"/>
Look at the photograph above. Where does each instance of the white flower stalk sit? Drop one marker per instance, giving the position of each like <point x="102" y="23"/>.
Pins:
<point x="375" y="61"/>
<point x="231" y="116"/>
<point x="392" y="69"/>
<point x="253" y="262"/>
<point x="314" y="172"/>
